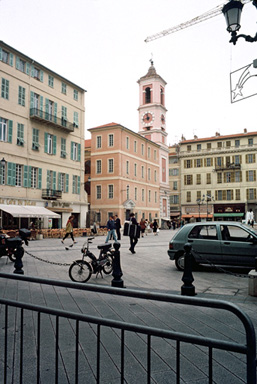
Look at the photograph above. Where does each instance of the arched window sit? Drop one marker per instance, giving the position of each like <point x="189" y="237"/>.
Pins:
<point x="147" y="95"/>
<point x="162" y="96"/>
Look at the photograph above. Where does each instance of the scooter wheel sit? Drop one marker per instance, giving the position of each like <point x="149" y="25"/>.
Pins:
<point x="107" y="268"/>
<point x="12" y="257"/>
<point x="80" y="271"/>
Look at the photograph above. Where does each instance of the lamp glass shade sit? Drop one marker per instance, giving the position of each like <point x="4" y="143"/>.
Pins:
<point x="232" y="12"/>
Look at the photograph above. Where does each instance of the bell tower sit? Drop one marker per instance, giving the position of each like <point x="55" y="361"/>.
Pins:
<point x="152" y="110"/>
<point x="152" y="126"/>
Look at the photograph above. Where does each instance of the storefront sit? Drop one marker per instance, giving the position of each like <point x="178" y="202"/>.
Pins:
<point x="231" y="212"/>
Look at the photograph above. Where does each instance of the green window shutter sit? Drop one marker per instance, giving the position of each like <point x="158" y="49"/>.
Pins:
<point x="29" y="177"/>
<point x="59" y="181"/>
<point x="10" y="125"/>
<point x="17" y="62"/>
<point x="11" y="60"/>
<point x="39" y="185"/>
<point x="78" y="186"/>
<point x="25" y="176"/>
<point x="79" y="152"/>
<point x="54" y="180"/>
<point x="46" y="136"/>
<point x="41" y="106"/>
<point x="27" y="69"/>
<point x="54" y="145"/>
<point x="73" y="184"/>
<point x="71" y="150"/>
<point x="31" y="101"/>
<point x="55" y="112"/>
<point x="41" y="76"/>
<point x="9" y="174"/>
<point x="67" y="183"/>
<point x="47" y="109"/>
<point x="48" y="180"/>
<point x="32" y="71"/>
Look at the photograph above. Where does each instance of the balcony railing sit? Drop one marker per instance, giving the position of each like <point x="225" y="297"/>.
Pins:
<point x="227" y="167"/>
<point x="51" y="194"/>
<point x="47" y="118"/>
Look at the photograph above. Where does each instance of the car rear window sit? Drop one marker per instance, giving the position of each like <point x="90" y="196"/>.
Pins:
<point x="207" y="232"/>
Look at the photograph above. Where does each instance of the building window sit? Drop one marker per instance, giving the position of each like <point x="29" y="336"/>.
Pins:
<point x="199" y="147"/>
<point x="98" y="166"/>
<point x="219" y="161"/>
<point x="35" y="73"/>
<point x="21" y="96"/>
<point x="3" y="129"/>
<point x="64" y="88"/>
<point x="7" y="57"/>
<point x="50" y="81"/>
<point x="237" y="159"/>
<point x="237" y="143"/>
<point x="229" y="194"/>
<point x="64" y="116"/>
<point x="75" y="151"/>
<point x="127" y="192"/>
<point x="188" y="163"/>
<point x="251" y="175"/>
<point x="208" y="146"/>
<point x="2" y="174"/>
<point x="238" y="176"/>
<point x="34" y="177"/>
<point x="75" y="95"/>
<point x="208" y="178"/>
<point x="110" y="191"/>
<point x="20" y="65"/>
<point x="250" y="158"/>
<point x="63" y="148"/>
<point x="250" y="142"/>
<point x="50" y="144"/>
<point x="110" y="165"/>
<point x="149" y="196"/>
<point x="35" y="139"/>
<point x="174" y="172"/>
<point x="143" y="195"/>
<point x="149" y="173"/>
<point x="142" y="171"/>
<point x="219" y="177"/>
<point x="18" y="181"/>
<point x="127" y="142"/>
<point x="228" y="144"/>
<point x="110" y="140"/>
<point x="198" y="163"/>
<point x="155" y="197"/>
<point x="188" y="179"/>
<point x="147" y="95"/>
<point x="174" y="199"/>
<point x="219" y="144"/>
<point x="237" y="194"/>
<point x="98" y="141"/>
<point x="155" y="175"/>
<point x="5" y="89"/>
<point x="227" y="177"/>
<point x="251" y="194"/>
<point x="20" y="134"/>
<point x="142" y="149"/>
<point x="198" y="179"/>
<point x="135" y="169"/>
<point x="175" y="185"/>
<point x="135" y="146"/>
<point x="208" y="162"/>
<point x="149" y="152"/>
<point x="188" y="198"/>
<point x="76" y="184"/>
<point x="98" y="192"/>
<point x="135" y="193"/>
<point x="188" y="148"/>
<point x="127" y="167"/>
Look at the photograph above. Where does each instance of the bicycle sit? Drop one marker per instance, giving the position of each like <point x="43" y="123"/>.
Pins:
<point x="81" y="270"/>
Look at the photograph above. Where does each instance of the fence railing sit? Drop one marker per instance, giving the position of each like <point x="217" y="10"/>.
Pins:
<point x="77" y="344"/>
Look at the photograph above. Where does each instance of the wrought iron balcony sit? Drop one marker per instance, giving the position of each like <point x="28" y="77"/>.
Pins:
<point x="51" y="194"/>
<point x="47" y="118"/>
<point x="228" y="167"/>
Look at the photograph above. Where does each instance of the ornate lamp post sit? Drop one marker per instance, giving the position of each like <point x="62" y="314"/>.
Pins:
<point x="232" y="12"/>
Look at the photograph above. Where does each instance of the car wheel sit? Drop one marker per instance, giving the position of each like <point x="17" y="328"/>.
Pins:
<point x="180" y="262"/>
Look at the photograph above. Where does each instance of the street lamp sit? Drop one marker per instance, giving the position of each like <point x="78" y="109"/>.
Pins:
<point x="208" y="198"/>
<point x="3" y="162"/>
<point x="200" y="202"/>
<point x="232" y="12"/>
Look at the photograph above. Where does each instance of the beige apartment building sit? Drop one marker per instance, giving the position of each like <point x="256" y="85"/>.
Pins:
<point x="218" y="176"/>
<point x="174" y="182"/>
<point x="124" y="174"/>
<point x="41" y="143"/>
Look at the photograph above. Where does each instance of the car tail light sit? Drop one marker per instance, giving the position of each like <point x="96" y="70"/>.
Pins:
<point x="170" y="245"/>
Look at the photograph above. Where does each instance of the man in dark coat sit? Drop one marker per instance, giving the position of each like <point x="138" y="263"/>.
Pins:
<point x="117" y="226"/>
<point x="133" y="238"/>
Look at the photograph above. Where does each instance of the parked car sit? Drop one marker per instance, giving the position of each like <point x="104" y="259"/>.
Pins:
<point x="220" y="242"/>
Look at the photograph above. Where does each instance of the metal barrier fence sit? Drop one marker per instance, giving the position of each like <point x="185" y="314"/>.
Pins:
<point x="76" y="346"/>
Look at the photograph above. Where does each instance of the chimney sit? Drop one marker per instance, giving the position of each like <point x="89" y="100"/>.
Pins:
<point x="217" y="134"/>
<point x="195" y="137"/>
<point x="245" y="130"/>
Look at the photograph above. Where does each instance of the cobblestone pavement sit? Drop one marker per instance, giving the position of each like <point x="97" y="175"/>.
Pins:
<point x="149" y="269"/>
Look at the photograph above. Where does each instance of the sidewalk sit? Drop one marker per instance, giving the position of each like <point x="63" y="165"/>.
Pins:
<point x="149" y="269"/>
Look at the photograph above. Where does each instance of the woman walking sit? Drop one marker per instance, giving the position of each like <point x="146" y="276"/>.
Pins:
<point x="155" y="227"/>
<point x="69" y="231"/>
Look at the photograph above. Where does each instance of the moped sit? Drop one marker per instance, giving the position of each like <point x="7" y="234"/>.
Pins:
<point x="9" y="245"/>
<point x="81" y="270"/>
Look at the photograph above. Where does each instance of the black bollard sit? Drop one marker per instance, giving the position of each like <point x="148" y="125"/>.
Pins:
<point x="188" y="288"/>
<point x="19" y="252"/>
<point x="117" y="272"/>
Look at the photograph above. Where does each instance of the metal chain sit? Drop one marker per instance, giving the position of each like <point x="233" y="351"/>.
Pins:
<point x="47" y="261"/>
<point x="222" y="269"/>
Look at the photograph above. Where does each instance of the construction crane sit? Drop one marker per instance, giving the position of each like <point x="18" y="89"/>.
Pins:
<point x="205" y="16"/>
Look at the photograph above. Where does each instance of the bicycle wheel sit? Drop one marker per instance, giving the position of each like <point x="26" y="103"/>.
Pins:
<point x="80" y="271"/>
<point x="107" y="268"/>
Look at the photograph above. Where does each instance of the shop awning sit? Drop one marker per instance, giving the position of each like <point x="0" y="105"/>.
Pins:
<point x="174" y="214"/>
<point x="28" y="211"/>
<point x="202" y="216"/>
<point x="239" y="214"/>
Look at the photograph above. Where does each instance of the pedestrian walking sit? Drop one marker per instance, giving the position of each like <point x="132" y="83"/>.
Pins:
<point x="155" y="227"/>
<point x="111" y="229"/>
<point x="69" y="231"/>
<point x="142" y="226"/>
<point x="117" y="227"/>
<point x="133" y="237"/>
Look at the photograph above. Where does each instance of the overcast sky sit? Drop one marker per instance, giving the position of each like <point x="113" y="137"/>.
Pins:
<point x="99" y="45"/>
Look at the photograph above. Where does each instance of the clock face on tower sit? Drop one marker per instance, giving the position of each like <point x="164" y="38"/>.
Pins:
<point x="147" y="118"/>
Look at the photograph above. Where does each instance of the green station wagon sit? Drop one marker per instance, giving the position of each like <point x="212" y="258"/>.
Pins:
<point x="220" y="242"/>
